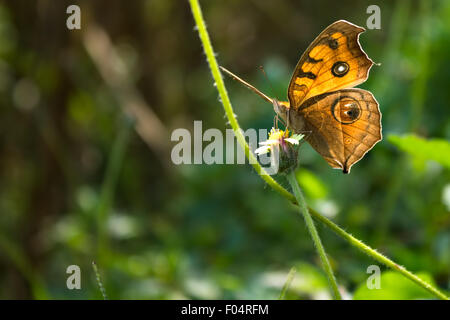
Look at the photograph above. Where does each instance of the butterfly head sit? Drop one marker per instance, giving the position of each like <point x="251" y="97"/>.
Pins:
<point x="281" y="108"/>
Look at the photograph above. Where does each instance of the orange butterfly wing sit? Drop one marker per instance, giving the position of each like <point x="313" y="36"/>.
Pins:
<point x="342" y="126"/>
<point x="333" y="61"/>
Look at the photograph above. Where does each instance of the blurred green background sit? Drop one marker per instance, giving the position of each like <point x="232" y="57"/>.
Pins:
<point x="85" y="171"/>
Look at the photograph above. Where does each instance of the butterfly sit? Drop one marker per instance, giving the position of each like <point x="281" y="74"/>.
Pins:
<point x="342" y="122"/>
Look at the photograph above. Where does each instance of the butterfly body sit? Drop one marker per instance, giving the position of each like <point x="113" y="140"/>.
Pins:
<point x="340" y="122"/>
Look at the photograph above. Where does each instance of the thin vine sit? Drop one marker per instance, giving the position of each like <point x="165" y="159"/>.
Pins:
<point x="314" y="234"/>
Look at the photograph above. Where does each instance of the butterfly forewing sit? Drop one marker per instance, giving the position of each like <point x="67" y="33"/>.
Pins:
<point x="333" y="61"/>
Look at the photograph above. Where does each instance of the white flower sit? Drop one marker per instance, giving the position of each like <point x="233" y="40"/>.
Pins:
<point x="276" y="139"/>
<point x="262" y="150"/>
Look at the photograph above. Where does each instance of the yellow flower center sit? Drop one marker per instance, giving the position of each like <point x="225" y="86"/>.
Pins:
<point x="277" y="134"/>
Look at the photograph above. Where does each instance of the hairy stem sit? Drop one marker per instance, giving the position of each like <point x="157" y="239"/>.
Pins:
<point x="211" y="59"/>
<point x="99" y="281"/>
<point x="314" y="234"/>
<point x="287" y="284"/>
<point x="377" y="256"/>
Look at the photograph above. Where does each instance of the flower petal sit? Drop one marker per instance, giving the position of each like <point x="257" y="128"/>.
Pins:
<point x="298" y="136"/>
<point x="262" y="150"/>
<point x="291" y="140"/>
<point x="269" y="142"/>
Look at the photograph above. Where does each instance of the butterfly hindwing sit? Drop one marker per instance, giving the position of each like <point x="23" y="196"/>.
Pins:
<point x="342" y="125"/>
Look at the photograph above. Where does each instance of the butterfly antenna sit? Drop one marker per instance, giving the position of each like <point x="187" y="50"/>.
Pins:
<point x="271" y="87"/>
<point x="248" y="85"/>
<point x="267" y="78"/>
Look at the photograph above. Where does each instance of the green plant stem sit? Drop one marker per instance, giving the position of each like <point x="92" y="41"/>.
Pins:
<point x="109" y="184"/>
<point x="99" y="281"/>
<point x="204" y="37"/>
<point x="377" y="256"/>
<point x="226" y="100"/>
<point x="15" y="254"/>
<point x="314" y="234"/>
<point x="287" y="284"/>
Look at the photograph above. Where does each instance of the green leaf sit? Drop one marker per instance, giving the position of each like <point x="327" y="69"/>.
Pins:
<point x="432" y="149"/>
<point x="394" y="286"/>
